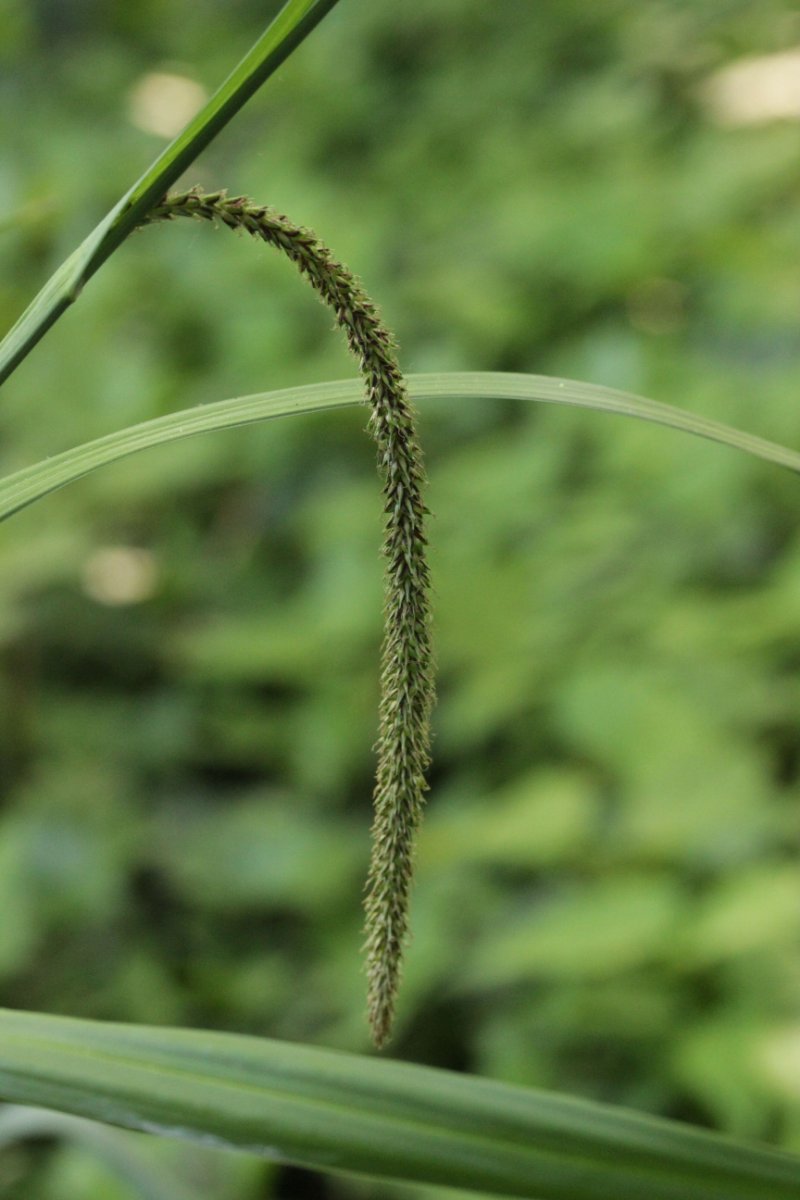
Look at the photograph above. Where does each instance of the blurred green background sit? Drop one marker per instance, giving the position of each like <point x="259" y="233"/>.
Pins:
<point x="608" y="900"/>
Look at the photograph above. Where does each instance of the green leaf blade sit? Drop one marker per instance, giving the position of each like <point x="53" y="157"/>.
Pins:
<point x="24" y="487"/>
<point x="289" y="28"/>
<point x="385" y="1119"/>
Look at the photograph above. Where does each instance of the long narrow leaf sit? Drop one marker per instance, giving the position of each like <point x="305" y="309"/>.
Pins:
<point x="295" y="20"/>
<point x="112" y="1149"/>
<point x="31" y="483"/>
<point x="341" y="1112"/>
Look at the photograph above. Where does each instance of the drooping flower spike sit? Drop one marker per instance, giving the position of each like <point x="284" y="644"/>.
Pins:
<point x="407" y="674"/>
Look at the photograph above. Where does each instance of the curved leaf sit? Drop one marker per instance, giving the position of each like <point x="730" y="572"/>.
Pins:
<point x="31" y="483"/>
<point x="342" y="1112"/>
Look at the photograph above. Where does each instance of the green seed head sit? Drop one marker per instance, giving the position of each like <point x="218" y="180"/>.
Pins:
<point x="407" y="676"/>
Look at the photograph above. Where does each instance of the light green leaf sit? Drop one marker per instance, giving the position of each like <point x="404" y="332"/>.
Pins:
<point x="341" y="1112"/>
<point x="294" y="21"/>
<point x="590" y="931"/>
<point x="539" y="818"/>
<point x="29" y="484"/>
<point x="757" y="906"/>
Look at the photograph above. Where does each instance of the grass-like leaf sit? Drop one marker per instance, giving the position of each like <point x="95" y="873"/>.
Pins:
<point x="342" y="1112"/>
<point x="294" y="21"/>
<point x="113" y="1149"/>
<point x="31" y="483"/>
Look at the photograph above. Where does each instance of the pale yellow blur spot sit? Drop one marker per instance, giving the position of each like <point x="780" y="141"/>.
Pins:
<point x="755" y="90"/>
<point x="162" y="103"/>
<point x="778" y="1061"/>
<point x="119" y="575"/>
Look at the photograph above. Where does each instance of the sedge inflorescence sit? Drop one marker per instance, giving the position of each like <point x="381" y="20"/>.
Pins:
<point x="407" y="683"/>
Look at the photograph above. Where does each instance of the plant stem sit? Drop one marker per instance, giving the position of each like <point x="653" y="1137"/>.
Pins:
<point x="284" y="33"/>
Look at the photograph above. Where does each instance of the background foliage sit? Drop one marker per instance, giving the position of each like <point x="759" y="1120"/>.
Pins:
<point x="608" y="898"/>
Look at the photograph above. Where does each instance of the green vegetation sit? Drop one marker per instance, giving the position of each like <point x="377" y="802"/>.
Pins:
<point x="608" y="894"/>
